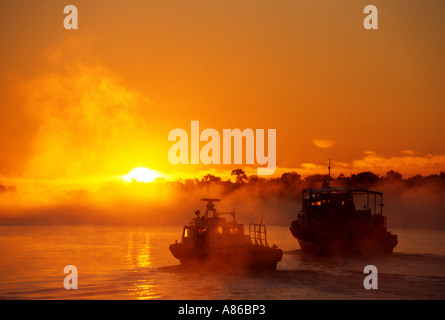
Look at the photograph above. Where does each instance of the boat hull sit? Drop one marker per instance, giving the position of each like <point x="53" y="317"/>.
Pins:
<point x="346" y="242"/>
<point x="253" y="257"/>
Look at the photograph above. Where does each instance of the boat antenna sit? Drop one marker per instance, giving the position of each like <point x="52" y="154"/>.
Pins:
<point x="329" y="168"/>
<point x="327" y="179"/>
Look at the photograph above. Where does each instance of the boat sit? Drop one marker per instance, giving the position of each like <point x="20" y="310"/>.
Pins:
<point x="342" y="221"/>
<point x="213" y="242"/>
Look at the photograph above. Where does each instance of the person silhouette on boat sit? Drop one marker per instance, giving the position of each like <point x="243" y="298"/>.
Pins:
<point x="198" y="221"/>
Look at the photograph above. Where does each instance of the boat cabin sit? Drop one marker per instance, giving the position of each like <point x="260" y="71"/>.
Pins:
<point x="342" y="206"/>
<point x="211" y="227"/>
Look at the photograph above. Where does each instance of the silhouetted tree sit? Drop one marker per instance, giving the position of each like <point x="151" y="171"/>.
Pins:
<point x="241" y="176"/>
<point x="364" y="179"/>
<point x="290" y="178"/>
<point x="393" y="176"/>
<point x="210" y="178"/>
<point x="343" y="181"/>
<point x="314" y="181"/>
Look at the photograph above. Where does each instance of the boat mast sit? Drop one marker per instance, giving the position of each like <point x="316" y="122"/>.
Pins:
<point x="327" y="180"/>
<point x="329" y="168"/>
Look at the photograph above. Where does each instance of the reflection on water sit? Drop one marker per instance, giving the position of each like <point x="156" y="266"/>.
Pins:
<point x="135" y="263"/>
<point x="139" y="256"/>
<point x="144" y="289"/>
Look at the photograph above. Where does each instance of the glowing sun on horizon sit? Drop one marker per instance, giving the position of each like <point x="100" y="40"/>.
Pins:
<point x="142" y="174"/>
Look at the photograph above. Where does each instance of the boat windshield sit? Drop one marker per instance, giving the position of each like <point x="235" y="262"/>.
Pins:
<point x="360" y="199"/>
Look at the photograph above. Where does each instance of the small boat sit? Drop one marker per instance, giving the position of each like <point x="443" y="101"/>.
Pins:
<point x="211" y="241"/>
<point x="332" y="222"/>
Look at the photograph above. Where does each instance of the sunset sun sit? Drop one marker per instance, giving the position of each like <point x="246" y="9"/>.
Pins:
<point x="142" y="174"/>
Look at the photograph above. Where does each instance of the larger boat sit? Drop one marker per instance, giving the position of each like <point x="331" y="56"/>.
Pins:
<point x="344" y="221"/>
<point x="211" y="241"/>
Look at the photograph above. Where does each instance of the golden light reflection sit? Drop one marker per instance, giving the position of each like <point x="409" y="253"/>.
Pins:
<point x="139" y="257"/>
<point x="143" y="289"/>
<point x="139" y="254"/>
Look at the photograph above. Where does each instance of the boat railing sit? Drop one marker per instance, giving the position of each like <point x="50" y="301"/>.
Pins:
<point x="301" y="218"/>
<point x="258" y="234"/>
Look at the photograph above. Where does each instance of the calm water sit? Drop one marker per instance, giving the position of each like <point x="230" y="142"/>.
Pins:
<point x="135" y="263"/>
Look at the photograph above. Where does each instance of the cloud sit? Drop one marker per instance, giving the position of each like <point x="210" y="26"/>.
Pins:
<point x="89" y="124"/>
<point x="324" y="143"/>
<point x="409" y="162"/>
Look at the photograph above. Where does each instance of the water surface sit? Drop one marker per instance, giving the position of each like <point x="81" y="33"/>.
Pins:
<point x="117" y="262"/>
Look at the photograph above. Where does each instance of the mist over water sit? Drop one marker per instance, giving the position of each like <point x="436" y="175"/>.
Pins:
<point x="118" y="237"/>
<point x="415" y="202"/>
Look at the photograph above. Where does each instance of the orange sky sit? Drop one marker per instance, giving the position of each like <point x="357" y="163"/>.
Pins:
<point x="100" y="101"/>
